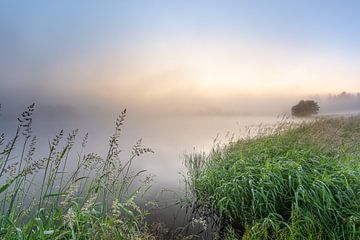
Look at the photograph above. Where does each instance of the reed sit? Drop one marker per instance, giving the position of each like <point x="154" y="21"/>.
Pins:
<point x="294" y="181"/>
<point x="42" y="198"/>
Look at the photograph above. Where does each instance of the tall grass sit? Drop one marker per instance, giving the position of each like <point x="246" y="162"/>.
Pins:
<point x="297" y="181"/>
<point x="45" y="198"/>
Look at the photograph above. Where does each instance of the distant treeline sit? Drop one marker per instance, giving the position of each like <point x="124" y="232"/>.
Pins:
<point x="339" y="102"/>
<point x="344" y="96"/>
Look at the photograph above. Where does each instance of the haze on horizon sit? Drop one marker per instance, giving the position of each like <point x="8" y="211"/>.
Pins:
<point x="177" y="57"/>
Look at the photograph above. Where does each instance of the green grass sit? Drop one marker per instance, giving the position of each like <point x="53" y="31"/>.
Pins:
<point x="297" y="181"/>
<point x="42" y="198"/>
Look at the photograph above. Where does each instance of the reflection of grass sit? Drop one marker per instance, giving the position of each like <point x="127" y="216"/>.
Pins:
<point x="300" y="181"/>
<point x="95" y="200"/>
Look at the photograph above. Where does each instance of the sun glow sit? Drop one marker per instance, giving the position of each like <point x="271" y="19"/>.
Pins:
<point x="157" y="71"/>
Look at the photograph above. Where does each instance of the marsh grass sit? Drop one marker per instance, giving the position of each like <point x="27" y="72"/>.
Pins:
<point x="292" y="181"/>
<point x="44" y="198"/>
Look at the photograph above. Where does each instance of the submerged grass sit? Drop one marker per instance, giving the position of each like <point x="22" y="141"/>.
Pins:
<point x="44" y="198"/>
<point x="295" y="181"/>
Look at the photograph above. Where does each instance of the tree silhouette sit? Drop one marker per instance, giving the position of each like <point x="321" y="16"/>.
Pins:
<point x="305" y="108"/>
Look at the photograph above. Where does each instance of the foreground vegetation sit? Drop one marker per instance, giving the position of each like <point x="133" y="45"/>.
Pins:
<point x="65" y="195"/>
<point x="295" y="181"/>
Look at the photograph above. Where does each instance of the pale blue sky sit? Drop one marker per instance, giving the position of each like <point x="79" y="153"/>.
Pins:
<point x="329" y="22"/>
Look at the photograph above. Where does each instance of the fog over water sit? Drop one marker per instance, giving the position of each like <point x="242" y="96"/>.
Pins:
<point x="168" y="134"/>
<point x="170" y="130"/>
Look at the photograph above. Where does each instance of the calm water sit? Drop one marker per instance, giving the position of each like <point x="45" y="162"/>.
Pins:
<point x="170" y="137"/>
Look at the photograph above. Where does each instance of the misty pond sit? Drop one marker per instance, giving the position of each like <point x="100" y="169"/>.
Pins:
<point x="170" y="137"/>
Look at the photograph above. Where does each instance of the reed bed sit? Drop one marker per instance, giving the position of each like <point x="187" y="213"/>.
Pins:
<point x="43" y="198"/>
<point x="293" y="181"/>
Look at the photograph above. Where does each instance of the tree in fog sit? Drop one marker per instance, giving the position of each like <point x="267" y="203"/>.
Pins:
<point x="305" y="108"/>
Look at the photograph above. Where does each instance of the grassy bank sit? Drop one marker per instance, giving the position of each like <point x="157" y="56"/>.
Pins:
<point x="295" y="181"/>
<point x="42" y="197"/>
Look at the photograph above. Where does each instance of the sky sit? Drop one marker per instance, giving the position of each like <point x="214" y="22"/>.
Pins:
<point x="197" y="57"/>
<point x="186" y="70"/>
